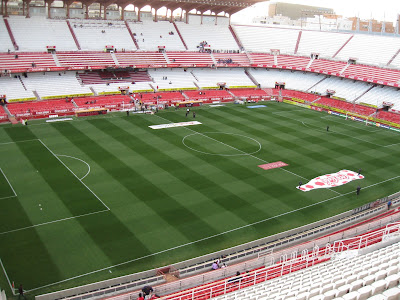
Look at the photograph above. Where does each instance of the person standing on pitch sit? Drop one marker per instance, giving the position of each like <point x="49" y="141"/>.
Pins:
<point x="327" y="128"/>
<point x="300" y="184"/>
<point x="359" y="172"/>
<point x="21" y="292"/>
<point x="358" y="190"/>
<point x="194" y="115"/>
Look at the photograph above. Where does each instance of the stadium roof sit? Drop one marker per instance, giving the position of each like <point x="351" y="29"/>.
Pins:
<point x="215" y="6"/>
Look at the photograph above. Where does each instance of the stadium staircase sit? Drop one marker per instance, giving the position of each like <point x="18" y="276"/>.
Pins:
<point x="311" y="87"/>
<point x="251" y="77"/>
<point x="340" y="49"/>
<point x="56" y="60"/>
<point x="166" y="58"/>
<point x="393" y="57"/>
<point x="344" y="69"/>
<point x="298" y="42"/>
<point x="213" y="59"/>
<point x="237" y="40"/>
<point x="180" y="36"/>
<point x="14" y="42"/>
<point x="114" y="57"/>
<point x="73" y="35"/>
<point x="370" y="88"/>
<point x="131" y="34"/>
<point x="36" y="95"/>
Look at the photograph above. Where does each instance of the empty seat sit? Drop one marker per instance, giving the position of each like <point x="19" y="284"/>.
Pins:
<point x="352" y="278"/>
<point x="355" y="285"/>
<point x="339" y="283"/>
<point x="369" y="279"/>
<point x="392" y="280"/>
<point x="380" y="275"/>
<point x="365" y="292"/>
<point x="344" y="289"/>
<point x="302" y="296"/>
<point x="377" y="297"/>
<point x="362" y="274"/>
<point x="378" y="287"/>
<point x="329" y="295"/>
<point x="351" y="296"/>
<point x="383" y="266"/>
<point x="392" y="294"/>
<point x="327" y="287"/>
<point x="318" y="297"/>
<point x="373" y="270"/>
<point x="314" y="292"/>
<point x="392" y="270"/>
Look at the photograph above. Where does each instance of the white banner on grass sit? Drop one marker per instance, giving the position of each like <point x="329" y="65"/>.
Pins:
<point x="171" y="125"/>
<point x="330" y="180"/>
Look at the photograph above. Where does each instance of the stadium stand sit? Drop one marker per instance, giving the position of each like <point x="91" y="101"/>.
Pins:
<point x="343" y="105"/>
<point x="233" y="78"/>
<point x="150" y="35"/>
<point x="3" y="116"/>
<point x="81" y="60"/>
<point x="250" y="93"/>
<point x="140" y="59"/>
<point x="305" y="270"/>
<point x="21" y="62"/>
<point x="237" y="58"/>
<point x="36" y="33"/>
<point x="55" y="85"/>
<point x="262" y="59"/>
<point x="167" y="79"/>
<point x="330" y="67"/>
<point x="380" y="94"/>
<point x="40" y="109"/>
<point x="360" y="47"/>
<point x="258" y="38"/>
<point x="218" y="37"/>
<point x="293" y="61"/>
<point x="5" y="41"/>
<point x="345" y="89"/>
<point x="190" y="58"/>
<point x="325" y="44"/>
<point x="294" y="80"/>
<point x="96" y="34"/>
<point x="14" y="89"/>
<point x="372" y="73"/>
<point x="215" y="95"/>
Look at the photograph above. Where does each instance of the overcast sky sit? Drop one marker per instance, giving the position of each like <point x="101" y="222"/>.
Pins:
<point x="378" y="9"/>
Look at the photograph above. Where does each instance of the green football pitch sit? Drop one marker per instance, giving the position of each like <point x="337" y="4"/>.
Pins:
<point x="100" y="197"/>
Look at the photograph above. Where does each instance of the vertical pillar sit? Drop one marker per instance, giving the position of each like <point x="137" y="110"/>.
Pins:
<point x="171" y="17"/>
<point x="23" y="7"/>
<point x="201" y="19"/>
<point x="105" y="12"/>
<point x="27" y="9"/>
<point x="122" y="13"/>
<point x="5" y="14"/>
<point x="155" y="15"/>
<point x="181" y="14"/>
<point x="186" y="18"/>
<point x="48" y="8"/>
<point x="138" y="14"/>
<point x="86" y="11"/>
<point x="67" y="10"/>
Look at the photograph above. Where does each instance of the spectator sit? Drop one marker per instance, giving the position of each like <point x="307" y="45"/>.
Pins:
<point x="215" y="265"/>
<point x="147" y="290"/>
<point x="140" y="297"/>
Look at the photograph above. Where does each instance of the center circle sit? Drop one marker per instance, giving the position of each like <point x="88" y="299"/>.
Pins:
<point x="226" y="144"/>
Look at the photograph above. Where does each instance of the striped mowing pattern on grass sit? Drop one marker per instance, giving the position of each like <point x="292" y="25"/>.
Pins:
<point x="177" y="192"/>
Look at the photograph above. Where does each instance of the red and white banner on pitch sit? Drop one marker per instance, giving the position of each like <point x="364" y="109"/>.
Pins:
<point x="330" y="180"/>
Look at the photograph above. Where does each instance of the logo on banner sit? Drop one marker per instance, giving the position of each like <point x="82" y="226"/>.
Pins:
<point x="330" y="180"/>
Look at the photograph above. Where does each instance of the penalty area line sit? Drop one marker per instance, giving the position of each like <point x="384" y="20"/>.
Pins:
<point x="52" y="222"/>
<point x="206" y="238"/>
<point x="79" y="160"/>
<point x="15" y="194"/>
<point x="8" y="279"/>
<point x="72" y="173"/>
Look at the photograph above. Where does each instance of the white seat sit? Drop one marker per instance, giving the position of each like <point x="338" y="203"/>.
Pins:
<point x="393" y="262"/>
<point x="344" y="289"/>
<point x="339" y="283"/>
<point x="314" y="292"/>
<point x="351" y="278"/>
<point x="362" y="274"/>
<point x="392" y="280"/>
<point x="318" y="297"/>
<point x="380" y="275"/>
<point x="377" y="297"/>
<point x="383" y="266"/>
<point x="329" y="295"/>
<point x="327" y="287"/>
<point x="365" y="292"/>
<point x="302" y="296"/>
<point x="392" y="294"/>
<point x="369" y="279"/>
<point x="378" y="287"/>
<point x="392" y="270"/>
<point x="355" y="285"/>
<point x="373" y="270"/>
<point x="351" y="296"/>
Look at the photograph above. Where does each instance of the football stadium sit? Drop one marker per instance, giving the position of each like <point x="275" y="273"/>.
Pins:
<point x="184" y="156"/>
